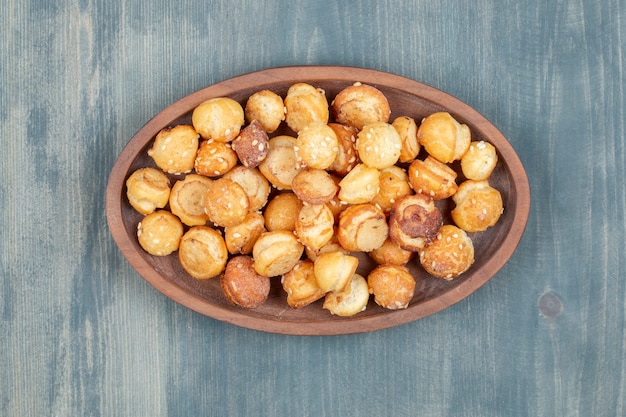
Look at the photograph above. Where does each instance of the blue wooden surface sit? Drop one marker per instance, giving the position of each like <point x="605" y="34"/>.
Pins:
<point x="82" y="334"/>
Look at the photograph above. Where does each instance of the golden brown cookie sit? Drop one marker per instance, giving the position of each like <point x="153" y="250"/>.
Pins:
<point x="226" y="203"/>
<point x="360" y="185"/>
<point x="282" y="211"/>
<point x="148" y="189"/>
<point x="187" y="199"/>
<point x="241" y="284"/>
<point x="218" y="118"/>
<point x="414" y="221"/>
<point x="267" y="107"/>
<point x="301" y="286"/>
<point x="202" y="252"/>
<point x="214" y="158"/>
<point x="433" y="178"/>
<point x="360" y="104"/>
<point x="347" y="157"/>
<point x="242" y="237"/>
<point x="443" y="137"/>
<point x="479" y="161"/>
<point x="378" y="145"/>
<point x="407" y="129"/>
<point x="333" y="270"/>
<point x="449" y="255"/>
<point x="276" y="253"/>
<point x="159" y="233"/>
<point x="314" y="225"/>
<point x="280" y="164"/>
<point x="305" y="104"/>
<point x="478" y="206"/>
<point x="255" y="185"/>
<point x="350" y="301"/>
<point x="314" y="186"/>
<point x="362" y="228"/>
<point x="174" y="149"/>
<point x="316" y="146"/>
<point x="391" y="253"/>
<point x="394" y="183"/>
<point x="393" y="286"/>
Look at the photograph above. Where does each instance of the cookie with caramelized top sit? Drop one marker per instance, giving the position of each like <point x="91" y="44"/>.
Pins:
<point x="444" y="137"/>
<point x="393" y="286"/>
<point x="305" y="104"/>
<point x="449" y="255"/>
<point x="242" y="286"/>
<point x="251" y="145"/>
<point x="477" y="206"/>
<point x="414" y="221"/>
<point x="267" y="108"/>
<point x="219" y="118"/>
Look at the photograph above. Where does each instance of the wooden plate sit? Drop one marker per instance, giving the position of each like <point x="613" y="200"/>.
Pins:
<point x="407" y="97"/>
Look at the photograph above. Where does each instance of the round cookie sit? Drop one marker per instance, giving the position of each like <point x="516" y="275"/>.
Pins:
<point x="214" y="158"/>
<point x="187" y="199"/>
<point x="414" y="221"/>
<point x="218" y="118"/>
<point x="449" y="255"/>
<point x="267" y="108"/>
<point x="479" y="161"/>
<point x="174" y="149"/>
<point x="241" y="285"/>
<point x="360" y="104"/>
<point x="226" y="203"/>
<point x="276" y="253"/>
<point x="362" y="228"/>
<point x="305" y="104"/>
<point x="351" y="301"/>
<point x="202" y="252"/>
<point x="147" y="189"/>
<point x="478" y="206"/>
<point x="251" y="145"/>
<point x="379" y="145"/>
<point x="393" y="286"/>
<point x="159" y="233"/>
<point x="443" y="137"/>
<point x="301" y="286"/>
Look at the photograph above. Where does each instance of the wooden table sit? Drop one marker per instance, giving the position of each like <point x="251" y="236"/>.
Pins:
<point x="81" y="333"/>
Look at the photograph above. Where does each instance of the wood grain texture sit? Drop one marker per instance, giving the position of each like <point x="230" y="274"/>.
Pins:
<point x="82" y="334"/>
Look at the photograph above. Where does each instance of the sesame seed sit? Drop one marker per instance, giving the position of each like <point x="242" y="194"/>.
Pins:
<point x="261" y="147"/>
<point x="455" y="235"/>
<point x="255" y="142"/>
<point x="328" y="139"/>
<point x="236" y="235"/>
<point x="212" y="151"/>
<point x="481" y="145"/>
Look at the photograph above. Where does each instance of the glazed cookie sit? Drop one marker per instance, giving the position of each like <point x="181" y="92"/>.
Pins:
<point x="280" y="165"/>
<point x="478" y="206"/>
<point x="226" y="203"/>
<point x="379" y="145"/>
<point x="443" y="137"/>
<point x="276" y="253"/>
<point x="432" y="178"/>
<point x="449" y="255"/>
<point x="314" y="225"/>
<point x="267" y="108"/>
<point x="218" y="118"/>
<point x="407" y="129"/>
<point x="251" y="145"/>
<point x="242" y="237"/>
<point x="393" y="286"/>
<point x="479" y="161"/>
<point x="316" y="146"/>
<point x="159" y="233"/>
<point x="202" y="252"/>
<point x="362" y="228"/>
<point x="301" y="286"/>
<point x="174" y="149"/>
<point x="305" y="104"/>
<point x="333" y="270"/>
<point x="360" y="185"/>
<point x="280" y="212"/>
<point x="255" y="185"/>
<point x="148" y="189"/>
<point x="214" y="158"/>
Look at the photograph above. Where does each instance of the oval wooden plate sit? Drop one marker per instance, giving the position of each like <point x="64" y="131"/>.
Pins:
<point x="407" y="97"/>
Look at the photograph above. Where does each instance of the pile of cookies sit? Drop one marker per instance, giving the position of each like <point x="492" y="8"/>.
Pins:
<point x="239" y="201"/>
